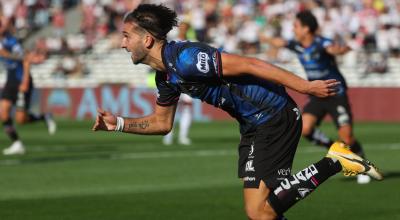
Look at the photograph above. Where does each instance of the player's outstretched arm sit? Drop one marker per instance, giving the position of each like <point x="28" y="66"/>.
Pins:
<point x="273" y="41"/>
<point x="5" y="54"/>
<point x="337" y="49"/>
<point x="26" y="62"/>
<point x="235" y="65"/>
<point x="158" y="123"/>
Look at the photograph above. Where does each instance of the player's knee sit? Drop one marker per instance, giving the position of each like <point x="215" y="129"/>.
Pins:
<point x="347" y="139"/>
<point x="20" y="119"/>
<point x="4" y="116"/>
<point x="306" y="130"/>
<point x="260" y="213"/>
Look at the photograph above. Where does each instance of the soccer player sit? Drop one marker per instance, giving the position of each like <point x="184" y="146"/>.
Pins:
<point x="250" y="90"/>
<point x="317" y="55"/>
<point x="17" y="90"/>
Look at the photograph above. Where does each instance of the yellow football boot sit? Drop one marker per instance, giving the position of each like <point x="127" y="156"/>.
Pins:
<point x="352" y="163"/>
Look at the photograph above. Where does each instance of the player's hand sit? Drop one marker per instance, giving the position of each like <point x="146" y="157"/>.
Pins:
<point x="105" y="121"/>
<point x="29" y="56"/>
<point x="323" y="88"/>
<point x="23" y="87"/>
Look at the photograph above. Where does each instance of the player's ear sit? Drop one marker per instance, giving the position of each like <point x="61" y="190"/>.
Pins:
<point x="149" y="41"/>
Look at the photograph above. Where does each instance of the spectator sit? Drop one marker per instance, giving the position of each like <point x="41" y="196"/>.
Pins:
<point x="58" y="22"/>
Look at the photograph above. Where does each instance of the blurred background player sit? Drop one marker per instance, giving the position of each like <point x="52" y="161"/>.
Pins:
<point x="185" y="102"/>
<point x="317" y="55"/>
<point x="17" y="90"/>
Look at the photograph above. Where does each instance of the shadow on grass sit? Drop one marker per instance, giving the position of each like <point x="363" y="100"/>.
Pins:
<point x="53" y="159"/>
<point x="391" y="175"/>
<point x="386" y="175"/>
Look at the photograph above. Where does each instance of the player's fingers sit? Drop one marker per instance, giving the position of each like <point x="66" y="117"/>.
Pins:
<point x="96" y="125"/>
<point x="328" y="81"/>
<point x="332" y="82"/>
<point x="332" y="91"/>
<point x="101" y="111"/>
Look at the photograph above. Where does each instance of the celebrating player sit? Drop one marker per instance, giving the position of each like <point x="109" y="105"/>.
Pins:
<point x="250" y="90"/>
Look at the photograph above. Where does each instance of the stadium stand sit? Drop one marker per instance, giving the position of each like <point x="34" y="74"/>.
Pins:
<point x="103" y="62"/>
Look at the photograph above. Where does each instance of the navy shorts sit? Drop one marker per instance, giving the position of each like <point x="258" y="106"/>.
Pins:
<point x="21" y="100"/>
<point x="267" y="153"/>
<point x="337" y="107"/>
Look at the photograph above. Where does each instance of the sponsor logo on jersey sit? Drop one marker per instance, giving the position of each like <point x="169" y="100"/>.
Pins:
<point x="284" y="172"/>
<point x="251" y="150"/>
<point x="249" y="179"/>
<point x="202" y="62"/>
<point x="303" y="175"/>
<point x="304" y="192"/>
<point x="249" y="166"/>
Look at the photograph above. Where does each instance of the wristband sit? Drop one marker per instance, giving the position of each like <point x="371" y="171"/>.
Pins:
<point x="120" y="124"/>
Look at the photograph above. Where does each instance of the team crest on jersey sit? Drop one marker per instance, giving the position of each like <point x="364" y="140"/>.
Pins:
<point x="202" y="62"/>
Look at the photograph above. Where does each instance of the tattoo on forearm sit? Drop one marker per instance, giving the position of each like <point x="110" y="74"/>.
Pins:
<point x="143" y="125"/>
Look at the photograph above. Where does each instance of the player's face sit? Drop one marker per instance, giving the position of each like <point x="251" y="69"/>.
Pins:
<point x="300" y="31"/>
<point x="132" y="42"/>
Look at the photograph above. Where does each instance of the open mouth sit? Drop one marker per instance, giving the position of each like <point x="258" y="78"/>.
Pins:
<point x="130" y="52"/>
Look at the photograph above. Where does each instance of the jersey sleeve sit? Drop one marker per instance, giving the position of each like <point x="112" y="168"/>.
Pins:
<point x="291" y="45"/>
<point x="17" y="49"/>
<point x="167" y="95"/>
<point x="325" y="42"/>
<point x="14" y="47"/>
<point x="199" y="62"/>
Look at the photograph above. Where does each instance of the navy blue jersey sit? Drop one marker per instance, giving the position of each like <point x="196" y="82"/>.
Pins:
<point x="195" y="69"/>
<point x="318" y="64"/>
<point x="14" y="67"/>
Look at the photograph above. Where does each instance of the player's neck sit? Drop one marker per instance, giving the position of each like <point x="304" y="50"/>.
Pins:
<point x="307" y="40"/>
<point x="154" y="58"/>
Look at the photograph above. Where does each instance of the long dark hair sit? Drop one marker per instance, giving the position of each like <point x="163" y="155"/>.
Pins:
<point x="306" y="18"/>
<point x="158" y="20"/>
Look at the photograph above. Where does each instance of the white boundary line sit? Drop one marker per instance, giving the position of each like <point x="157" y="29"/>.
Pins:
<point x="191" y="152"/>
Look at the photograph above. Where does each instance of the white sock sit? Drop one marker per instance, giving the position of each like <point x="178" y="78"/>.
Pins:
<point x="167" y="139"/>
<point x="185" y="122"/>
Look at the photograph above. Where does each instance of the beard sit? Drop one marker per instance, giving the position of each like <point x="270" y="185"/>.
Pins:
<point x="138" y="56"/>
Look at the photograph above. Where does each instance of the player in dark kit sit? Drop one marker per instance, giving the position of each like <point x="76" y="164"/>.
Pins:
<point x="317" y="55"/>
<point x="17" y="90"/>
<point x="250" y="90"/>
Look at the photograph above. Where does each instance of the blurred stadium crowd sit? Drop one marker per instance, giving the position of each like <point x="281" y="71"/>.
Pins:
<point x="370" y="27"/>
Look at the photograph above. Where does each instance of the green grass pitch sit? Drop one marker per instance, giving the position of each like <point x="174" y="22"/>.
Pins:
<point x="80" y="174"/>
